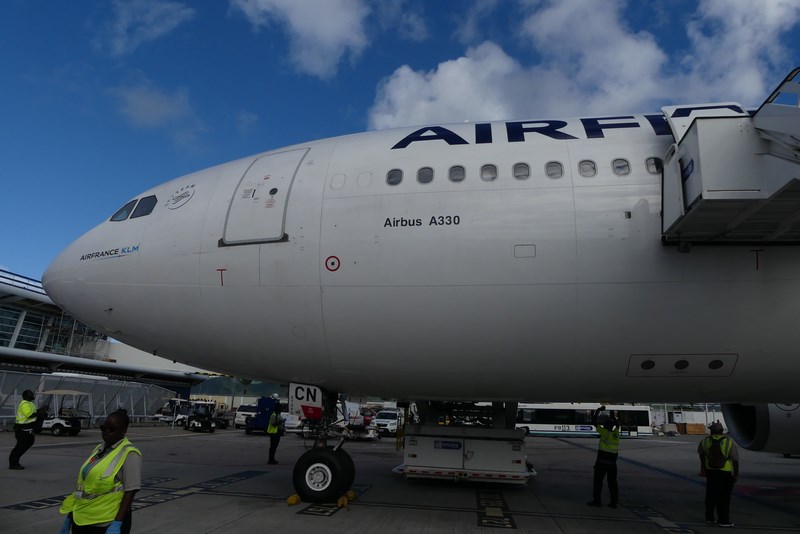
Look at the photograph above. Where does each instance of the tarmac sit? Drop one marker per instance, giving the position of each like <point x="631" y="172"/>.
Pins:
<point x="221" y="483"/>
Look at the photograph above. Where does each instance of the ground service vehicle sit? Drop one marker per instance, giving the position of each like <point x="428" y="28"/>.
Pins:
<point x="60" y="426"/>
<point x="359" y="422"/>
<point x="197" y="415"/>
<point x="69" y="409"/>
<point x="388" y="421"/>
<point x="200" y="416"/>
<point x="259" y="421"/>
<point x="575" y="419"/>
<point x="242" y="413"/>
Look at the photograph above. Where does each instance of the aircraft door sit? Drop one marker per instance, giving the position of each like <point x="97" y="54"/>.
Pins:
<point x="258" y="208"/>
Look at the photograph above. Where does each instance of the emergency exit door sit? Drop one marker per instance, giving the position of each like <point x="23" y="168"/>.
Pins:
<point x="258" y="208"/>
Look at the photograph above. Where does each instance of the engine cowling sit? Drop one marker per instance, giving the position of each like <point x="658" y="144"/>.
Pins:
<point x="764" y="427"/>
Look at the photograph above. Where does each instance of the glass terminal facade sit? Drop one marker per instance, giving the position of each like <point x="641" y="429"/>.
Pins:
<point x="29" y="320"/>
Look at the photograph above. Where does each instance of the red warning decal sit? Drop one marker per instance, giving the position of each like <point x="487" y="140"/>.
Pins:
<point x="312" y="412"/>
<point x="332" y="264"/>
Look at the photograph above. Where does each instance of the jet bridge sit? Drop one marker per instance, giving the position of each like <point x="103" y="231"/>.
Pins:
<point x="731" y="177"/>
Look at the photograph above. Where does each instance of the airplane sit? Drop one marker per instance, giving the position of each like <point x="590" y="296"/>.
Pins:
<point x="636" y="257"/>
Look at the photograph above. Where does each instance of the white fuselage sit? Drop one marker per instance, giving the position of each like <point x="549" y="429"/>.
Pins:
<point x="309" y="267"/>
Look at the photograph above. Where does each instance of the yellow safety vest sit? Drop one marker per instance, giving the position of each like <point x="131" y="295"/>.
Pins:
<point x="609" y="440"/>
<point x="726" y="445"/>
<point x="273" y="428"/>
<point x="99" y="495"/>
<point x="26" y="413"/>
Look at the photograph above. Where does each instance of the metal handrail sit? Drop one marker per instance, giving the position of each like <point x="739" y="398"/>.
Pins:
<point x="17" y="280"/>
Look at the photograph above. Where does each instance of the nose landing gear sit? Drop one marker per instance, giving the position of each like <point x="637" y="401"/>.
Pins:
<point x="324" y="473"/>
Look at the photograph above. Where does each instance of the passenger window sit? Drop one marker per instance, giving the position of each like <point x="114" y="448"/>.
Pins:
<point x="621" y="167"/>
<point x="522" y="171"/>
<point x="364" y="179"/>
<point x="654" y="165"/>
<point x="489" y="173"/>
<point x="554" y="170"/>
<point x="145" y="207"/>
<point x="587" y="168"/>
<point x="457" y="173"/>
<point x="338" y="181"/>
<point x="124" y="211"/>
<point x="394" y="177"/>
<point x="425" y="175"/>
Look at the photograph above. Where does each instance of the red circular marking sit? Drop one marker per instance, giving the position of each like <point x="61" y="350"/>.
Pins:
<point x="332" y="264"/>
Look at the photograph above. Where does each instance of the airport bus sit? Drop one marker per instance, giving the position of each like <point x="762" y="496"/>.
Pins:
<point x="575" y="419"/>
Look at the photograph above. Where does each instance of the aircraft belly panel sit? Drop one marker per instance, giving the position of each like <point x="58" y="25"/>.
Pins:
<point x="443" y="330"/>
<point x="268" y="331"/>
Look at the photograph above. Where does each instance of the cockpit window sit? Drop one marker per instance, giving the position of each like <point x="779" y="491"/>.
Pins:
<point x="145" y="207"/>
<point x="124" y="211"/>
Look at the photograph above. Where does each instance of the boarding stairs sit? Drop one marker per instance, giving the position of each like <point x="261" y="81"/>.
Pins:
<point x="733" y="177"/>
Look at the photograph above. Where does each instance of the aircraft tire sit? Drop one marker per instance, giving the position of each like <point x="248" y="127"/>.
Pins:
<point x="319" y="476"/>
<point x="349" y="468"/>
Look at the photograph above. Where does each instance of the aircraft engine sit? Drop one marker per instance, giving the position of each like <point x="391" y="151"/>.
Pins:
<point x="764" y="427"/>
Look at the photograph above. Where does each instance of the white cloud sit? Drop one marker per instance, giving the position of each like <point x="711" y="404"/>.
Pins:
<point x="733" y="51"/>
<point x="469" y="29"/>
<point x="246" y="122"/>
<point x="737" y="48"/>
<point x="400" y="17"/>
<point x="146" y="106"/>
<point x="321" y="32"/>
<point x="461" y="89"/>
<point x="139" y="21"/>
<point x="612" y="67"/>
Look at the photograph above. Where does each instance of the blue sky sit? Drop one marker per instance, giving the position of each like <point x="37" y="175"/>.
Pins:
<point x="104" y="99"/>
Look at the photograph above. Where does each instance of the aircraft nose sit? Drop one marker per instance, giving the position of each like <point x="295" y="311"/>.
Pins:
<point x="53" y="279"/>
<point x="66" y="278"/>
<point x="71" y="282"/>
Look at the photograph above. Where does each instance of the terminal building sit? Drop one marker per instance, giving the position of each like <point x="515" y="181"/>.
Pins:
<point x="42" y="348"/>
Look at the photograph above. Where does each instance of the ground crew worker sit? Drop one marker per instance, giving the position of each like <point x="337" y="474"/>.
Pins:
<point x="606" y="462"/>
<point x="107" y="482"/>
<point x="275" y="430"/>
<point x="23" y="429"/>
<point x="719" y="463"/>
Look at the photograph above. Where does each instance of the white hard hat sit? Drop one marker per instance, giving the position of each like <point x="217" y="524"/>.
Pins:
<point x="275" y="396"/>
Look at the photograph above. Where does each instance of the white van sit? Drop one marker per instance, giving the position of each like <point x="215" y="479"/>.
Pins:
<point x="388" y="421"/>
<point x="242" y="413"/>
